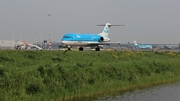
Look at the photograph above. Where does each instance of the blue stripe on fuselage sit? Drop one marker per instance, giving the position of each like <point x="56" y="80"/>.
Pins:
<point x="81" y="37"/>
<point x="144" y="46"/>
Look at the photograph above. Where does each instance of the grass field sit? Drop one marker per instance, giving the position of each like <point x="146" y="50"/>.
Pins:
<point x="67" y="75"/>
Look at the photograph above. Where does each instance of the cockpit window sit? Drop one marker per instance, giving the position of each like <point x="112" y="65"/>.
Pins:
<point x="67" y="36"/>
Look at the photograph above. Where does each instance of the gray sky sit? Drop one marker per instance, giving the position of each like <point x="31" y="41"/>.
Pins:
<point x="148" y="21"/>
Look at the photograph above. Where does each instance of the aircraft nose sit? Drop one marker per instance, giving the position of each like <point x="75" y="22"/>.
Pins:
<point x="62" y="42"/>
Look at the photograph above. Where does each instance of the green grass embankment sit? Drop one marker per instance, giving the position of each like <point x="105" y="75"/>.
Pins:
<point x="61" y="75"/>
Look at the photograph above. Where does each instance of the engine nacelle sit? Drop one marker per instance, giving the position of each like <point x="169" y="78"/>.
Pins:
<point x="104" y="39"/>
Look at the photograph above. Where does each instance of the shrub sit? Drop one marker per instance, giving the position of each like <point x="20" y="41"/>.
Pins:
<point x="33" y="89"/>
<point x="1" y="72"/>
<point x="41" y="70"/>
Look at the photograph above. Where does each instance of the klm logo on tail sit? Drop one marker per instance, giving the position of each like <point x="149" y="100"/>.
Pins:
<point x="106" y="30"/>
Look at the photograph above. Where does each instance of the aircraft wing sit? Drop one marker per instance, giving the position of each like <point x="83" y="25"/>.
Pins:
<point x="168" y="47"/>
<point x="38" y="47"/>
<point x="102" y="43"/>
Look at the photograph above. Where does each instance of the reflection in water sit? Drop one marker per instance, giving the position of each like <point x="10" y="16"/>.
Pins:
<point x="168" y="92"/>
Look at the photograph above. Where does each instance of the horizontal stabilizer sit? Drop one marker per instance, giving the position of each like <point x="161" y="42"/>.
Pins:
<point x="110" y="25"/>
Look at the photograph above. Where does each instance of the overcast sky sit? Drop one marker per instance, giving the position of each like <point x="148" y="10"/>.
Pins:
<point x="148" y="21"/>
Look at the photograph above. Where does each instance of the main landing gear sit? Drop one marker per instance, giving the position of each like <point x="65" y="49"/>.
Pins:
<point x="81" y="48"/>
<point x="69" y="48"/>
<point x="97" y="48"/>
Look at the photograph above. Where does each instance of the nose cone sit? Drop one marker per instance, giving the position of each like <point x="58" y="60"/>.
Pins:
<point x="65" y="41"/>
<point x="62" y="41"/>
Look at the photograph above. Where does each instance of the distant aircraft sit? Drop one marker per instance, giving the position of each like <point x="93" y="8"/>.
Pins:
<point x="31" y="45"/>
<point x="171" y="46"/>
<point x="76" y="39"/>
<point x="142" y="46"/>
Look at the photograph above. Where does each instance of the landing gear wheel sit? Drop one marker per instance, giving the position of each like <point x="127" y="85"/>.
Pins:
<point x="69" y="49"/>
<point x="97" y="49"/>
<point x="81" y="49"/>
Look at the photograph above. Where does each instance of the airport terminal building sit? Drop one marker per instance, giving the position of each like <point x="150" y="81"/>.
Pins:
<point x="9" y="44"/>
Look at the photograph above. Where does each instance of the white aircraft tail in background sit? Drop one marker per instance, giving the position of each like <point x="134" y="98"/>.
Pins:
<point x="135" y="43"/>
<point x="31" y="45"/>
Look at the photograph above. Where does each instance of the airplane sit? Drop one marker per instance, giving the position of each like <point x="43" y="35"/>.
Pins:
<point x="31" y="45"/>
<point x="142" y="46"/>
<point x="92" y="40"/>
<point x="169" y="46"/>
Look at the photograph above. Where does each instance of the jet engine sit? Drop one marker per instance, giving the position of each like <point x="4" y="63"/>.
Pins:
<point x="104" y="39"/>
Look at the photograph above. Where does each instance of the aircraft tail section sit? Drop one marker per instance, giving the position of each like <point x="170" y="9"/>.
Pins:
<point x="31" y="45"/>
<point x="27" y="44"/>
<point x="107" y="29"/>
<point x="104" y="34"/>
<point x="135" y="43"/>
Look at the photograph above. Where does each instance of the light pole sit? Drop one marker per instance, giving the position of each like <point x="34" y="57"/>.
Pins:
<point x="12" y="28"/>
<point x="40" y="35"/>
<point x="21" y="35"/>
<point x="36" y="38"/>
<point x="50" y="42"/>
